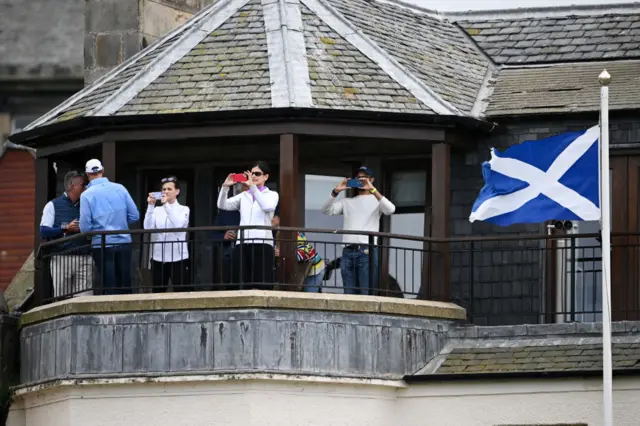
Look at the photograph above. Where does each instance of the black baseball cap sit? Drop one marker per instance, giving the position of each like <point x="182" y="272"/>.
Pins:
<point x="366" y="170"/>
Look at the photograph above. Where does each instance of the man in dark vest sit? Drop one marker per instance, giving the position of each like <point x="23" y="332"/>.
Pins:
<point x="71" y="263"/>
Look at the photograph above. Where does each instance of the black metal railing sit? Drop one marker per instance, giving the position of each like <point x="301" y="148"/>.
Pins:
<point x="231" y="258"/>
<point x="519" y="279"/>
<point x="543" y="279"/>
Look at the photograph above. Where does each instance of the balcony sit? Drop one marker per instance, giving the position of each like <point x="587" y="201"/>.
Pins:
<point x="526" y="279"/>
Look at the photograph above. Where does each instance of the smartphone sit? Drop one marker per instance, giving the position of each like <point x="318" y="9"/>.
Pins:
<point x="354" y="183"/>
<point x="239" y="177"/>
<point x="157" y="195"/>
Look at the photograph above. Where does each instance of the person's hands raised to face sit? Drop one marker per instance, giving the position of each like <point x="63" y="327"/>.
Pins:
<point x="247" y="183"/>
<point x="366" y="184"/>
<point x="342" y="185"/>
<point x="228" y="182"/>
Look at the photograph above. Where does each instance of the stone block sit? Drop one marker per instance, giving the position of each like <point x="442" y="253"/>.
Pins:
<point x="110" y="16"/>
<point x="108" y="50"/>
<point x="158" y="19"/>
<point x="190" y="6"/>
<point x="132" y="44"/>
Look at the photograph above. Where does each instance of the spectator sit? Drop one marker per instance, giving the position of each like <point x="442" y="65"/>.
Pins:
<point x="71" y="266"/>
<point x="252" y="257"/>
<point x="170" y="253"/>
<point x="308" y="258"/>
<point x="107" y="206"/>
<point x="361" y="213"/>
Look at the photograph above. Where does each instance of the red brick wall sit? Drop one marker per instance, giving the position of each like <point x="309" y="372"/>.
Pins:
<point x="17" y="191"/>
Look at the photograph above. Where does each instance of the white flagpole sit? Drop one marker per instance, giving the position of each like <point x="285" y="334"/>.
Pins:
<point x="605" y="226"/>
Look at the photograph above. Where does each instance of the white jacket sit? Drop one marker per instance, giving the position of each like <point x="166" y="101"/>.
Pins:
<point x="172" y="246"/>
<point x="256" y="209"/>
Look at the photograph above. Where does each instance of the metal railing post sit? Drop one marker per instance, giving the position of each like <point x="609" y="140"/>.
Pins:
<point x="471" y="282"/>
<point x="241" y="269"/>
<point x="372" y="267"/>
<point x="573" y="279"/>
<point x="103" y="261"/>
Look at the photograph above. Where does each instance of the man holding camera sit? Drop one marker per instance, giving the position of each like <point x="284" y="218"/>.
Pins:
<point x="361" y="213"/>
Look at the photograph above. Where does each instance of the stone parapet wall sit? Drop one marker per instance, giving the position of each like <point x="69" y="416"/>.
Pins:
<point x="234" y="332"/>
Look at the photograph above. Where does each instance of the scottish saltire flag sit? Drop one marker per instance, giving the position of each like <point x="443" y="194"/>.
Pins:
<point x="550" y="179"/>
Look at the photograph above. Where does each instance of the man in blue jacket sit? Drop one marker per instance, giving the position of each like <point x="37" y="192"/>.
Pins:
<point x="107" y="206"/>
<point x="71" y="265"/>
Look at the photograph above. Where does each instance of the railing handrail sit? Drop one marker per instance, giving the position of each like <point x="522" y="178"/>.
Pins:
<point x="479" y="238"/>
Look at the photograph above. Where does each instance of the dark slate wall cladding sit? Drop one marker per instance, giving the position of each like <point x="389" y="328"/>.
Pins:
<point x="507" y="276"/>
<point x="223" y="341"/>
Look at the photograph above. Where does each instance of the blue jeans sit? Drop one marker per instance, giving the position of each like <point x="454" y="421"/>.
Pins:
<point x="117" y="268"/>
<point x="354" y="268"/>
<point x="313" y="283"/>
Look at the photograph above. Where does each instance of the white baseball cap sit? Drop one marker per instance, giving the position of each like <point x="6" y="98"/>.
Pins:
<point x="93" y="166"/>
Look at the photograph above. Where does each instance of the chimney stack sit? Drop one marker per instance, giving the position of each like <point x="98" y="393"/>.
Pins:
<point x="115" y="30"/>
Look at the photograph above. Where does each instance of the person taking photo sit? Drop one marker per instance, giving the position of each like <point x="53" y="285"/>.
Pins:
<point x="170" y="251"/>
<point x="361" y="213"/>
<point x="253" y="261"/>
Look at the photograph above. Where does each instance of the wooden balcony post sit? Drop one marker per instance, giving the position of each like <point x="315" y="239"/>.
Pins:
<point x="290" y="212"/>
<point x="438" y="286"/>
<point x="109" y="160"/>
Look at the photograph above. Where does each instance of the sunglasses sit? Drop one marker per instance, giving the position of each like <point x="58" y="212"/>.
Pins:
<point x="257" y="174"/>
<point x="169" y="179"/>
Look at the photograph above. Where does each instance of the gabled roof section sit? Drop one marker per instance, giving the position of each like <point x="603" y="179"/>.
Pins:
<point x="338" y="54"/>
<point x="563" y="34"/>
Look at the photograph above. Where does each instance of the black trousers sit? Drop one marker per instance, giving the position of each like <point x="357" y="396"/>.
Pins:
<point x="177" y="271"/>
<point x="253" y="266"/>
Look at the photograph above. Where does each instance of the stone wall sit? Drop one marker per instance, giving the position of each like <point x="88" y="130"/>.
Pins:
<point x="115" y="30"/>
<point x="507" y="277"/>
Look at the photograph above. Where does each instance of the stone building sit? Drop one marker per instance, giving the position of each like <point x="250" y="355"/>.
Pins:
<point x="349" y="77"/>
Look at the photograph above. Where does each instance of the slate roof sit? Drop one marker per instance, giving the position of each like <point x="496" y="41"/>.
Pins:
<point x="556" y="34"/>
<point x="229" y="69"/>
<point x="41" y="39"/>
<point x="338" y="54"/>
<point x="570" y="347"/>
<point x="570" y="87"/>
<point x="341" y="76"/>
<point x="434" y="49"/>
<point x="538" y="358"/>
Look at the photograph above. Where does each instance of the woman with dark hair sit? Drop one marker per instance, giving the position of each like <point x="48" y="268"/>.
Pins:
<point x="170" y="254"/>
<point x="253" y="256"/>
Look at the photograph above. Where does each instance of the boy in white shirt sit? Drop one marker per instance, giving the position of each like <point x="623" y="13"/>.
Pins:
<point x="361" y="213"/>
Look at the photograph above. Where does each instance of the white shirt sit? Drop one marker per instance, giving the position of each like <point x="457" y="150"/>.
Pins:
<point x="256" y="209"/>
<point x="172" y="246"/>
<point x="48" y="215"/>
<point x="361" y="213"/>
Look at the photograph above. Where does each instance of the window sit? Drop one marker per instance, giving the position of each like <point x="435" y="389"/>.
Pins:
<point x="409" y="188"/>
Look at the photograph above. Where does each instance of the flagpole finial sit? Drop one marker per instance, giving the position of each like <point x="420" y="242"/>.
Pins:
<point x="604" y="78"/>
